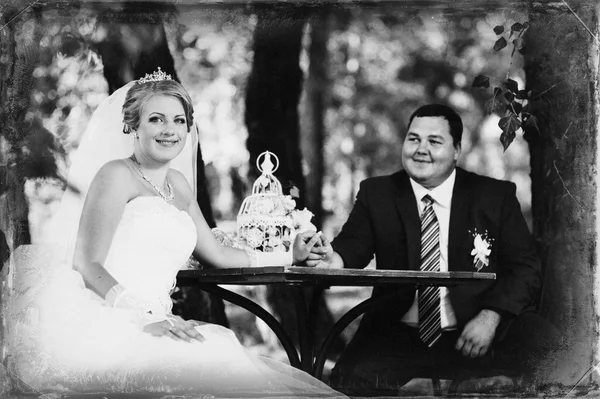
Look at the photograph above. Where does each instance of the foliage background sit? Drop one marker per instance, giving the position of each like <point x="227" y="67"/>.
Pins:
<point x="382" y="66"/>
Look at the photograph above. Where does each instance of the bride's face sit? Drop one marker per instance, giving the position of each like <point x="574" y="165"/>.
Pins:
<point x="163" y="129"/>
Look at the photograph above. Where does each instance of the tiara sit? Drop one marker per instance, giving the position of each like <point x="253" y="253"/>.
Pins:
<point x="155" y="77"/>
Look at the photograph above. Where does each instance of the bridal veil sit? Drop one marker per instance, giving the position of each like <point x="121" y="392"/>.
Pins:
<point x="104" y="141"/>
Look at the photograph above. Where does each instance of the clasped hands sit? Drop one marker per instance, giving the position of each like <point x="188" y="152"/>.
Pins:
<point x="311" y="248"/>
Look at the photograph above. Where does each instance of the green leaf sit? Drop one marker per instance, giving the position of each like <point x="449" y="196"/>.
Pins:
<point x="509" y="125"/>
<point x="512" y="85"/>
<point x="295" y="192"/>
<point x="517" y="27"/>
<point x="506" y="139"/>
<point x="531" y="123"/>
<point x="481" y="81"/>
<point x="500" y="44"/>
<point x="498" y="29"/>
<point x="517" y="42"/>
<point x="495" y="103"/>
<point x="517" y="107"/>
<point x="509" y="96"/>
<point x="521" y="95"/>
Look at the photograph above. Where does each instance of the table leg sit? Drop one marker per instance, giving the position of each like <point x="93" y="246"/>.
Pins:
<point x="261" y="313"/>
<point x="305" y="339"/>
<point x="313" y="309"/>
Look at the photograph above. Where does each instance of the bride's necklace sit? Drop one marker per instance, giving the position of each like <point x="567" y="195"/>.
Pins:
<point x="162" y="195"/>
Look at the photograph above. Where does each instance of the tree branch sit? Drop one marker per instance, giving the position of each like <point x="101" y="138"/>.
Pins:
<point x="582" y="23"/>
<point x="19" y="13"/>
<point x="548" y="89"/>
<point x="565" y="185"/>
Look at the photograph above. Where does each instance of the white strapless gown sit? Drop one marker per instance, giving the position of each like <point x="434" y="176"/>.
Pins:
<point x="61" y="336"/>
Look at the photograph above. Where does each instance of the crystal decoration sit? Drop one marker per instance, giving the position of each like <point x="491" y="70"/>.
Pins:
<point x="265" y="221"/>
<point x="155" y="77"/>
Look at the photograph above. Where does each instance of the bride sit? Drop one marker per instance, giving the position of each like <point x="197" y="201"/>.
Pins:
<point x="101" y="321"/>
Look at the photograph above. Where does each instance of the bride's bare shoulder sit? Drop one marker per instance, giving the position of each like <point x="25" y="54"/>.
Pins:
<point x="114" y="172"/>
<point x="180" y="183"/>
<point x="117" y="166"/>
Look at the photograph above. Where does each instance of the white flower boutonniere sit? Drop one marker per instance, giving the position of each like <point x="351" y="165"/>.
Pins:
<point x="482" y="249"/>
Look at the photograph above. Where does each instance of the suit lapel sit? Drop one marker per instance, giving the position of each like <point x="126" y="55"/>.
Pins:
<point x="459" y="220"/>
<point x="407" y="207"/>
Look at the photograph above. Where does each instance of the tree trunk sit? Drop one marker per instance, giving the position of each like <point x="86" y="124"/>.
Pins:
<point x="313" y="135"/>
<point x="135" y="43"/>
<point x="19" y="57"/>
<point x="273" y="94"/>
<point x="561" y="68"/>
<point x="272" y="98"/>
<point x="18" y="60"/>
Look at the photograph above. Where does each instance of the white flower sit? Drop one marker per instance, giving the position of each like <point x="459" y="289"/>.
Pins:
<point x="267" y="206"/>
<point x="275" y="242"/>
<point x="255" y="237"/>
<point x="302" y="220"/>
<point x="481" y="251"/>
<point x="289" y="203"/>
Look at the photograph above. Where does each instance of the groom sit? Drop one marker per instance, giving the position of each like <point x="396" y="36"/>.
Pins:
<point x="435" y="216"/>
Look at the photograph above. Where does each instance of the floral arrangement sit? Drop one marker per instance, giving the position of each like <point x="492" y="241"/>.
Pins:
<point x="272" y="223"/>
<point x="482" y="247"/>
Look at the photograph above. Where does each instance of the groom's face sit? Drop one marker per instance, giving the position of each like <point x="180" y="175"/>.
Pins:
<point x="429" y="154"/>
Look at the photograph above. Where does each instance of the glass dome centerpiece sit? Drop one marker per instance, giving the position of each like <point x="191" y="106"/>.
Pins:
<point x="268" y="221"/>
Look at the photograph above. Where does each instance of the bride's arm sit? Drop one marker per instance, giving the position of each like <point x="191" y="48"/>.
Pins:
<point x="109" y="191"/>
<point x="208" y="250"/>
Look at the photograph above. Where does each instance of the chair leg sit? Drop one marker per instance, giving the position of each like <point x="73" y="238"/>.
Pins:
<point x="437" y="387"/>
<point x="454" y="385"/>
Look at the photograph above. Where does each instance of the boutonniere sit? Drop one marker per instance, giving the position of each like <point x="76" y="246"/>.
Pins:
<point x="482" y="247"/>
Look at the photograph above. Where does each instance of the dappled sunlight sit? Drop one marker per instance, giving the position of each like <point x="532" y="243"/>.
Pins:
<point x="380" y="71"/>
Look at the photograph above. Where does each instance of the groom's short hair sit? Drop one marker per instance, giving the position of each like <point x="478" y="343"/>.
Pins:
<point x="454" y="120"/>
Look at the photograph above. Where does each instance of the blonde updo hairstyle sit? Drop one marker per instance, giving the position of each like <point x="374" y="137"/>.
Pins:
<point x="139" y="94"/>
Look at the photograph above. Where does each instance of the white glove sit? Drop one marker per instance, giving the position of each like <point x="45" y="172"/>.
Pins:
<point x="143" y="311"/>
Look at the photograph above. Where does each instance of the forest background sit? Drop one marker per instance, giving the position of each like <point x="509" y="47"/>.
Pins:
<point x="329" y="88"/>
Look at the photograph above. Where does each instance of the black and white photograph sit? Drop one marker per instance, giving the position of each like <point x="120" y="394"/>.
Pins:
<point x="299" y="199"/>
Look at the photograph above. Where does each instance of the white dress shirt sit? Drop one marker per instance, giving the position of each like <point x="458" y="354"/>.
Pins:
<point x="442" y="199"/>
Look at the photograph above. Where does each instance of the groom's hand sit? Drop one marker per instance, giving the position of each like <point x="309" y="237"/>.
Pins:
<point x="478" y="334"/>
<point x="321" y="255"/>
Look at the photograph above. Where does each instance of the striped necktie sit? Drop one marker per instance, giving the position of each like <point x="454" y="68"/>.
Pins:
<point x="430" y="327"/>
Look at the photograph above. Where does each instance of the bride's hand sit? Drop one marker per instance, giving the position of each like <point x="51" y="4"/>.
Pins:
<point x="303" y="246"/>
<point x="177" y="329"/>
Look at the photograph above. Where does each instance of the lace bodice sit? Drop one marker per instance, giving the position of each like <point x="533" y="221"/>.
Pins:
<point x="152" y="242"/>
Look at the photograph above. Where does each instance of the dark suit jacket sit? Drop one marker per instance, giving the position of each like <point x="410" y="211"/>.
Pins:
<point x="385" y="222"/>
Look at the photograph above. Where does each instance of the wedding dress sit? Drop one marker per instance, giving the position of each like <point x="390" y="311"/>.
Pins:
<point x="65" y="338"/>
<point x="59" y="336"/>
